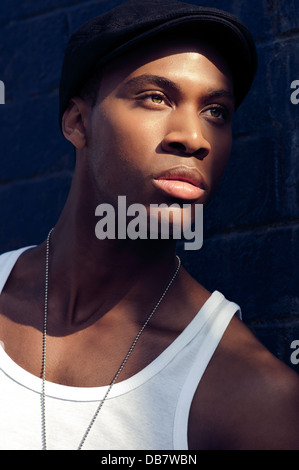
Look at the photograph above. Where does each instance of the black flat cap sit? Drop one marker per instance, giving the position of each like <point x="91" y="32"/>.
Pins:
<point x="109" y="35"/>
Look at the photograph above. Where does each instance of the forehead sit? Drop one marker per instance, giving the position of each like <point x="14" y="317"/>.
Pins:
<point x="174" y="56"/>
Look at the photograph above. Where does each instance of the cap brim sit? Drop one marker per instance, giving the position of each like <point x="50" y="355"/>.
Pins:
<point x="232" y="40"/>
<point x="222" y="34"/>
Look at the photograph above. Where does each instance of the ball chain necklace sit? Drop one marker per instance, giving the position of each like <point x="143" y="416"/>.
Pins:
<point x="44" y="344"/>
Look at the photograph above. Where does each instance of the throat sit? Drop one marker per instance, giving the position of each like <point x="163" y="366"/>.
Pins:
<point x="136" y="337"/>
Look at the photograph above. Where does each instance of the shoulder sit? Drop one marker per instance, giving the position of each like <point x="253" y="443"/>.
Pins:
<point x="247" y="399"/>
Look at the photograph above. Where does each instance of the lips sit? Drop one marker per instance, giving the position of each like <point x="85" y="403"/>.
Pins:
<point x="181" y="182"/>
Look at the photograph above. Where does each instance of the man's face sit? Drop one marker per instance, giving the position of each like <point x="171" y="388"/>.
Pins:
<point x="160" y="130"/>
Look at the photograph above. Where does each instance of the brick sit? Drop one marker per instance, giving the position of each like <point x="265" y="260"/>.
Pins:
<point x="82" y="12"/>
<point x="257" y="269"/>
<point x="29" y="209"/>
<point x="32" y="56"/>
<point x="268" y="102"/>
<point x="31" y="142"/>
<point x="27" y="8"/>
<point x="254" y="15"/>
<point x="260" y="183"/>
<point x="247" y="192"/>
<point x="283" y="16"/>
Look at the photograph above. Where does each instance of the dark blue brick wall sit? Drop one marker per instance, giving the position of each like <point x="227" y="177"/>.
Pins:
<point x="251" y="229"/>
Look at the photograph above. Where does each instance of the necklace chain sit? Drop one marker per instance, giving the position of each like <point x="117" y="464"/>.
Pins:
<point x="44" y="345"/>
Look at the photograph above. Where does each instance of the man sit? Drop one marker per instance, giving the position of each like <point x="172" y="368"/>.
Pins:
<point x="110" y="344"/>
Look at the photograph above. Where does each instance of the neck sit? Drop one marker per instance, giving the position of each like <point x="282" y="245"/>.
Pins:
<point x="90" y="277"/>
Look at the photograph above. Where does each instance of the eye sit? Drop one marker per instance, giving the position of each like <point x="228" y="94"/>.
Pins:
<point x="153" y="99"/>
<point x="218" y="113"/>
<point x="157" y="99"/>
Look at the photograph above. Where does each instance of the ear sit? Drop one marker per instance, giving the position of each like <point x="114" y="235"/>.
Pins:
<point x="74" y="122"/>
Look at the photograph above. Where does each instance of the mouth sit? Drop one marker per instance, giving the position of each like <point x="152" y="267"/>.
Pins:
<point x="181" y="182"/>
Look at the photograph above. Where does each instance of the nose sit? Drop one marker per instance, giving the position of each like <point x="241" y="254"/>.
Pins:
<point x="185" y="137"/>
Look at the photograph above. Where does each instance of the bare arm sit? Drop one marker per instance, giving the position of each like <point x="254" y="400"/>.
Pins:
<point x="247" y="399"/>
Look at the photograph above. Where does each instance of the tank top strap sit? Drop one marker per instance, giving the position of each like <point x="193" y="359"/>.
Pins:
<point x="203" y="347"/>
<point x="7" y="262"/>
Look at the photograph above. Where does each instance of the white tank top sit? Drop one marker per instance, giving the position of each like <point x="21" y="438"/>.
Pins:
<point x="148" y="411"/>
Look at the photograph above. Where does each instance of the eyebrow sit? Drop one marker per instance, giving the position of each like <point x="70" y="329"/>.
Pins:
<point x="162" y="82"/>
<point x="220" y="94"/>
<point x="146" y="79"/>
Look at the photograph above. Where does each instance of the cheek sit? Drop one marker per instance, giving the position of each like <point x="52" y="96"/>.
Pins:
<point x="122" y="151"/>
<point x="129" y="138"/>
